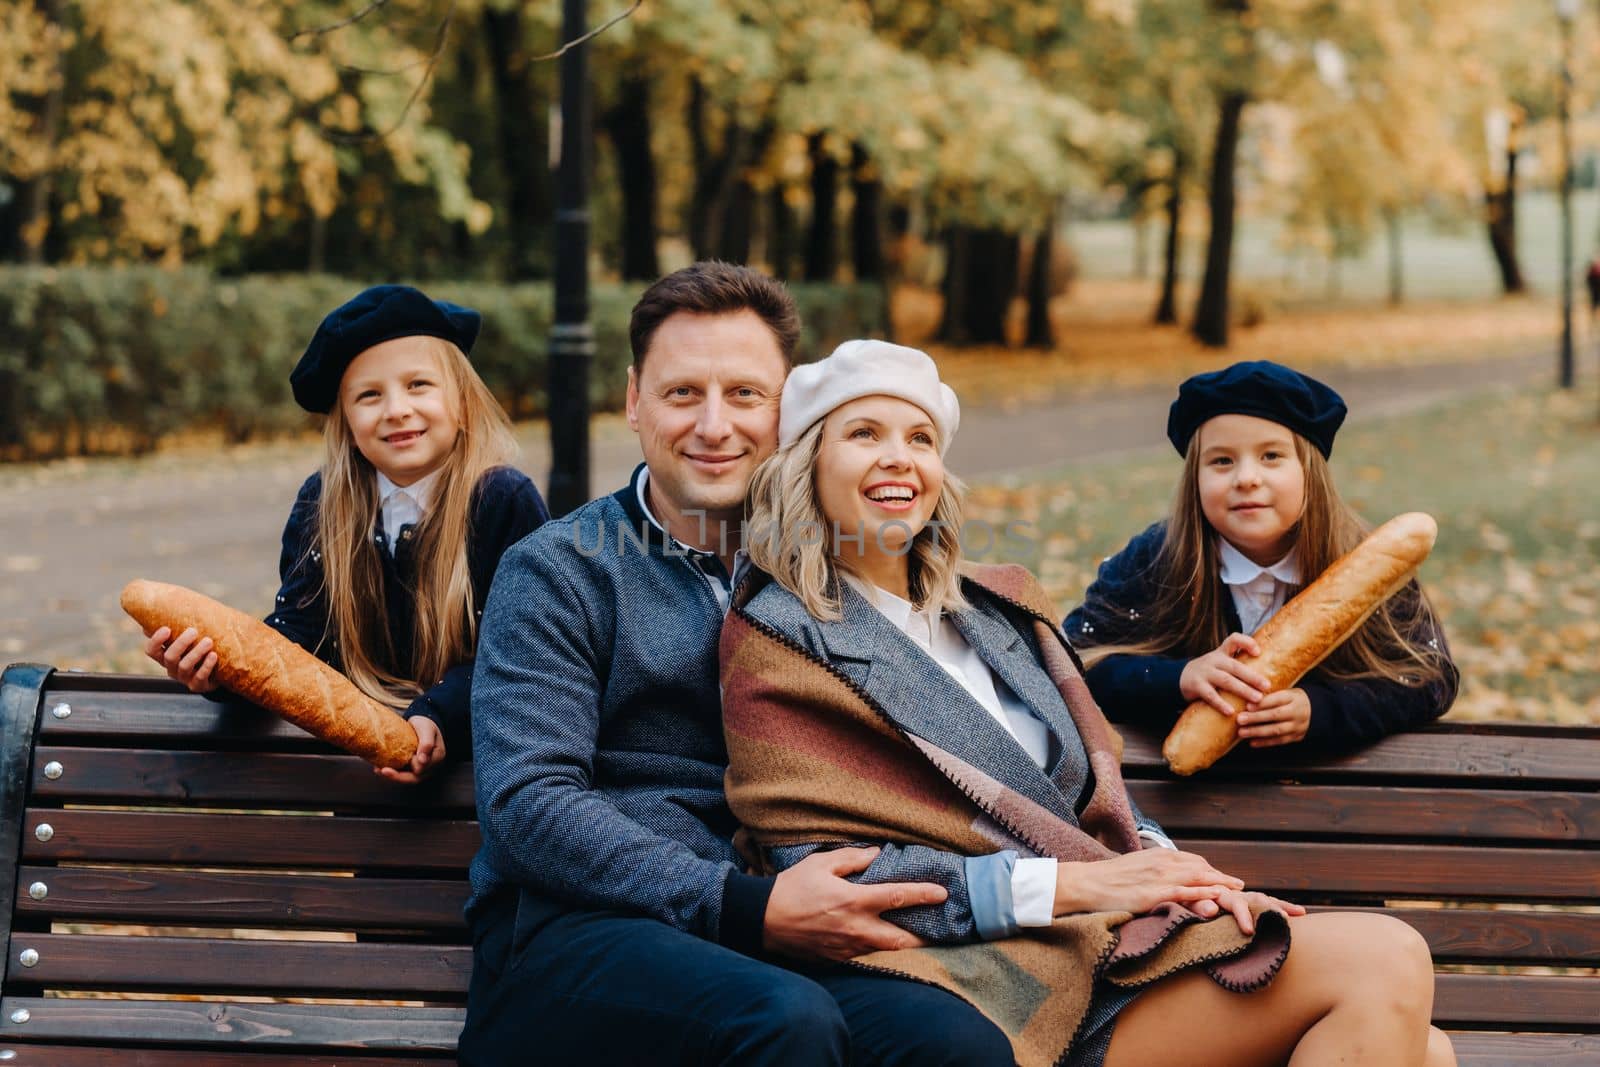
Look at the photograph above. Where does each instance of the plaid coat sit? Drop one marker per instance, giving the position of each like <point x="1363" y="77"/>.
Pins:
<point x="846" y="733"/>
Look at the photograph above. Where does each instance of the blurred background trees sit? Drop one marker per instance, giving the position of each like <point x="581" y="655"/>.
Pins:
<point x="950" y="144"/>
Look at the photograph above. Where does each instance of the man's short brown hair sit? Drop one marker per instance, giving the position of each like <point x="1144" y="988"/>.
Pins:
<point x="712" y="287"/>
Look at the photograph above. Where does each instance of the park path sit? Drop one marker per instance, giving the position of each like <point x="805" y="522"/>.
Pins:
<point x="72" y="533"/>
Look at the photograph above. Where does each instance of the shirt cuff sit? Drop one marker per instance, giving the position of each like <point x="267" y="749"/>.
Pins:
<point x="1033" y="892"/>
<point x="1155" y="839"/>
<point x="989" y="893"/>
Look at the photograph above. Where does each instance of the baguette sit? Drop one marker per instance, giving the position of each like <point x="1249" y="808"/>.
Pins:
<point x="267" y="668"/>
<point x="1301" y="635"/>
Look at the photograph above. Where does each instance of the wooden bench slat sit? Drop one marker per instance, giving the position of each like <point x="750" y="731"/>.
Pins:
<point x="1474" y="754"/>
<point x="158" y="710"/>
<point x="1525" y="1050"/>
<point x="1507" y="1001"/>
<point x="195" y="898"/>
<point x="238" y="779"/>
<point x="225" y="1022"/>
<point x="1204" y="807"/>
<point x="1293" y="867"/>
<point x="31" y="1055"/>
<point x="366" y="970"/>
<point x="247" y="840"/>
<point x="1472" y="935"/>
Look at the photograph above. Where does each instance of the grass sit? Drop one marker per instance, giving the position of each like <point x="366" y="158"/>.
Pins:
<point x="1511" y="478"/>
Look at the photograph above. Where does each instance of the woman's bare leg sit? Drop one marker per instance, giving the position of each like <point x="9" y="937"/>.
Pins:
<point x="1440" y="1052"/>
<point x="1355" y="989"/>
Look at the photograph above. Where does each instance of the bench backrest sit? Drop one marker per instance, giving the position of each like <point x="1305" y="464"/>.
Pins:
<point x="169" y="845"/>
<point x="1485" y="838"/>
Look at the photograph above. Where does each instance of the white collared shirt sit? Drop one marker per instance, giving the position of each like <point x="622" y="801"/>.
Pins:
<point x="936" y="635"/>
<point x="403" y="505"/>
<point x="1033" y="880"/>
<point x="1258" y="592"/>
<point x="721" y="589"/>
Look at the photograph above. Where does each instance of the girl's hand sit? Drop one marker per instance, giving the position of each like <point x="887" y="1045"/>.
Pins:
<point x="1138" y="882"/>
<point x="1207" y="677"/>
<point x="430" y="753"/>
<point x="187" y="658"/>
<point x="1238" y="902"/>
<point x="1280" y="718"/>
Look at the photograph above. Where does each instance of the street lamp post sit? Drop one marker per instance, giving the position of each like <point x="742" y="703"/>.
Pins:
<point x="571" y="335"/>
<point x="1565" y="11"/>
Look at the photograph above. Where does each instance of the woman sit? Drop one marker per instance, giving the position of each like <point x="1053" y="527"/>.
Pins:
<point x="875" y="695"/>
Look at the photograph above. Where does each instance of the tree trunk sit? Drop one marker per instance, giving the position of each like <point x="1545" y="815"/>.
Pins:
<point x="628" y="126"/>
<point x="1167" y="308"/>
<point x="783" y="238"/>
<point x="715" y="177"/>
<point x="317" y="250"/>
<point x="1040" y="334"/>
<point x="28" y="226"/>
<point x="1211" y="314"/>
<point x="1397" y="273"/>
<point x="980" y="280"/>
<point x="1141" y="242"/>
<point x="1502" y="210"/>
<point x="822" y="239"/>
<point x="957" y="264"/>
<point x="738" y="222"/>
<point x="866" y="217"/>
<point x="524" y="143"/>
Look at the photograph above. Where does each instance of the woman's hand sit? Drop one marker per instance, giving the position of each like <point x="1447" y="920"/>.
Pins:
<point x="1238" y="902"/>
<point x="1280" y="718"/>
<point x="1207" y="677"/>
<point x="1138" y="882"/>
<point x="429" y="754"/>
<point x="187" y="658"/>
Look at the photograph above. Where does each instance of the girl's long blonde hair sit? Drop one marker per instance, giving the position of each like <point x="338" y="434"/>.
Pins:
<point x="1188" y="614"/>
<point x="446" y="613"/>
<point x="787" y="535"/>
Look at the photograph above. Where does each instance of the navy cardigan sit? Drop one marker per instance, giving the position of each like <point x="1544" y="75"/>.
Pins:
<point x="505" y="508"/>
<point x="1143" y="690"/>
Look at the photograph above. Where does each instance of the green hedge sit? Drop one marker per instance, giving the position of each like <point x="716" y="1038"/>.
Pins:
<point x="95" y="359"/>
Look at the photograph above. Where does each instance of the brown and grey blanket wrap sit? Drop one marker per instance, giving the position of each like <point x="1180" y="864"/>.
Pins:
<point x="814" y="758"/>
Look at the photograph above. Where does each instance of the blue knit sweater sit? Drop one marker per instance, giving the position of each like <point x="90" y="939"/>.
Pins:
<point x="597" y="730"/>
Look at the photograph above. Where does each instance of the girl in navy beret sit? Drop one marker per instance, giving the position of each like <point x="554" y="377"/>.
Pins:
<point x="390" y="547"/>
<point x="1255" y="518"/>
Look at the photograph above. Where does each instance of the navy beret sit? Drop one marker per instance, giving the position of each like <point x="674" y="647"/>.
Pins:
<point x="371" y="317"/>
<point x="1261" y="388"/>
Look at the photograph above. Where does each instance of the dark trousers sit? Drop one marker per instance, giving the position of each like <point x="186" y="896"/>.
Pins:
<point x="581" y="987"/>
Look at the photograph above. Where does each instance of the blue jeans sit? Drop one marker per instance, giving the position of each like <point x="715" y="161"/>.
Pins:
<point x="551" y="986"/>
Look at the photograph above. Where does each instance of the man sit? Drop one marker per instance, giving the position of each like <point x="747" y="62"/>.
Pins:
<point x="612" y="919"/>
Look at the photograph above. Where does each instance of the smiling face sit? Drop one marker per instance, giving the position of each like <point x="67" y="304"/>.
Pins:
<point x="878" y="473"/>
<point x="400" y="408"/>
<point x="705" y="407"/>
<point x="1252" y="484"/>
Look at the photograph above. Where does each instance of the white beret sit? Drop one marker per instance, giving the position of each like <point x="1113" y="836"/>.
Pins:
<point x="866" y="368"/>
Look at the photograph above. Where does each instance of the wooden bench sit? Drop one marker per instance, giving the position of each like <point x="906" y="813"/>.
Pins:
<point x="204" y="826"/>
<point x="1484" y="837"/>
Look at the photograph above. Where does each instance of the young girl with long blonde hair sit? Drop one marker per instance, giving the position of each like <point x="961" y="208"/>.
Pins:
<point x="390" y="547"/>
<point x="1255" y="518"/>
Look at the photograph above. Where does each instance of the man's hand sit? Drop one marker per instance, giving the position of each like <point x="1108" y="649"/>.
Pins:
<point x="814" y="913"/>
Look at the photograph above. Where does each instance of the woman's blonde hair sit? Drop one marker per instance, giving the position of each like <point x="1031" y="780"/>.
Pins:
<point x="787" y="535"/>
<point x="1188" y="615"/>
<point x="446" y="613"/>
